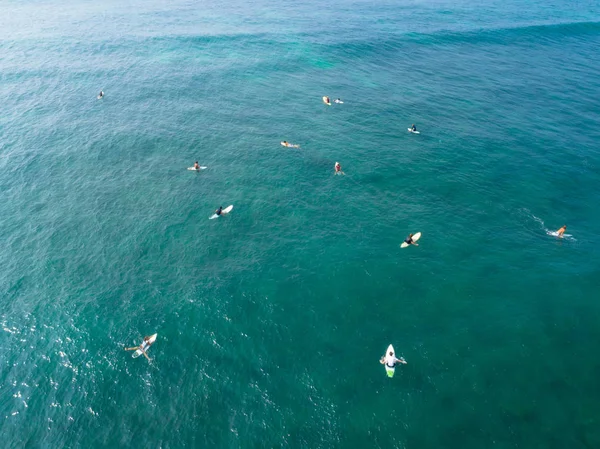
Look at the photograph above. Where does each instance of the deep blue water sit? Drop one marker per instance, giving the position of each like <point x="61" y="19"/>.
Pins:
<point x="271" y="320"/>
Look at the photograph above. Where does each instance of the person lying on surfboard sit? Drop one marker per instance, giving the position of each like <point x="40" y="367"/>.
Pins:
<point x="327" y="100"/>
<point x="219" y="211"/>
<point x="101" y="94"/>
<point x="561" y="231"/>
<point x="285" y="143"/>
<point x="196" y="165"/>
<point x="145" y="345"/>
<point x="338" y="169"/>
<point x="390" y="360"/>
<point x="409" y="240"/>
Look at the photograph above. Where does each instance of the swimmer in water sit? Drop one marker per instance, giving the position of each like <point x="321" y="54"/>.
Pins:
<point x="390" y="360"/>
<point x="409" y="240"/>
<point x="143" y="347"/>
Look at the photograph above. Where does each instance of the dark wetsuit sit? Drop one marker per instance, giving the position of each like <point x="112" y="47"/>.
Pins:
<point x="219" y="211"/>
<point x="408" y="241"/>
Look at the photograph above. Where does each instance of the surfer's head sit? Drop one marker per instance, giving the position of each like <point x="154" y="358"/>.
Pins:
<point x="391" y="352"/>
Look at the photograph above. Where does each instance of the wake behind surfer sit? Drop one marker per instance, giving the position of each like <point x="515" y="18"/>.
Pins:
<point x="143" y="347"/>
<point x="390" y="360"/>
<point x="409" y="240"/>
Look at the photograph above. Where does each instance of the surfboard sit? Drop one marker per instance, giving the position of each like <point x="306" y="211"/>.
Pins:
<point x="328" y="103"/>
<point x="415" y="237"/>
<point x="223" y="212"/>
<point x="338" y="101"/>
<point x="410" y="130"/>
<point x="138" y="353"/>
<point x="197" y="169"/>
<point x="389" y="371"/>
<point x="555" y="234"/>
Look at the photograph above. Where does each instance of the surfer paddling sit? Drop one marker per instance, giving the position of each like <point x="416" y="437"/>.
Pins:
<point x="390" y="360"/>
<point x="561" y="231"/>
<point x="196" y="166"/>
<point x="285" y="143"/>
<point x="409" y="240"/>
<point x="143" y="347"/>
<point x="338" y="169"/>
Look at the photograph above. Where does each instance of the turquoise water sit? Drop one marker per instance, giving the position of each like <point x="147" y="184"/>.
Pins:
<point x="271" y="320"/>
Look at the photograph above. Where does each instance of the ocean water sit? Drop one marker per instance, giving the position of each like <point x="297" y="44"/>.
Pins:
<point x="271" y="320"/>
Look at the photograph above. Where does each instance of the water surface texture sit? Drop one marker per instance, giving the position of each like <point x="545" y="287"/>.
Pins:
<point x="271" y="320"/>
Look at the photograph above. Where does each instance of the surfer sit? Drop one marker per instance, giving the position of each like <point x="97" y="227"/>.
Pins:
<point x="338" y="169"/>
<point x="561" y="231"/>
<point x="219" y="211"/>
<point x="413" y="128"/>
<point x="390" y="360"/>
<point x="101" y="94"/>
<point x="339" y="101"/>
<point x="327" y="100"/>
<point x="409" y="240"/>
<point x="196" y="166"/>
<point x="145" y="345"/>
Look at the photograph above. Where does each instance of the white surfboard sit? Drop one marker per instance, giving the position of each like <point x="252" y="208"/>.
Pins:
<point x="389" y="371"/>
<point x="223" y="212"/>
<point x="415" y="237"/>
<point x="338" y="101"/>
<point x="100" y="96"/>
<point x="197" y="169"/>
<point x="410" y="130"/>
<point x="555" y="234"/>
<point x="147" y="345"/>
<point x="328" y="103"/>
